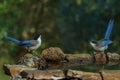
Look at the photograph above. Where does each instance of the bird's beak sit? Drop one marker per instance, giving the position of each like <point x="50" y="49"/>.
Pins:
<point x="40" y="33"/>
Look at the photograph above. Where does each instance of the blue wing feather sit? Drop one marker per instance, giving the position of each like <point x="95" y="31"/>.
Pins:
<point x="22" y="43"/>
<point x="105" y="43"/>
<point x="27" y="43"/>
<point x="12" y="39"/>
<point x="109" y="29"/>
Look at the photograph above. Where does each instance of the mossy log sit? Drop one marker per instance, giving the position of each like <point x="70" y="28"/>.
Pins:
<point x="103" y="75"/>
<point x="43" y="74"/>
<point x="110" y="74"/>
<point x="86" y="59"/>
<point x="79" y="59"/>
<point x="22" y="72"/>
<point x="83" y="75"/>
<point x="13" y="70"/>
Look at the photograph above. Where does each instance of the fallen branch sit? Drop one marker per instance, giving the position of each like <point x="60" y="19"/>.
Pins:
<point x="86" y="59"/>
<point x="43" y="74"/>
<point x="103" y="75"/>
<point x="13" y="70"/>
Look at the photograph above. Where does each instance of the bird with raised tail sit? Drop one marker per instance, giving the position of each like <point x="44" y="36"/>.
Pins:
<point x="30" y="45"/>
<point x="102" y="45"/>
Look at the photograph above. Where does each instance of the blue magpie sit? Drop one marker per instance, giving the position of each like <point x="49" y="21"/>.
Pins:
<point x="30" y="45"/>
<point x="102" y="44"/>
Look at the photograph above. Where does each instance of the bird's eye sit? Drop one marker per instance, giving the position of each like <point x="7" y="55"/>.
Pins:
<point x="94" y="41"/>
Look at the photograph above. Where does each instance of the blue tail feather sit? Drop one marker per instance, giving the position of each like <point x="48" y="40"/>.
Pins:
<point x="12" y="39"/>
<point x="109" y="29"/>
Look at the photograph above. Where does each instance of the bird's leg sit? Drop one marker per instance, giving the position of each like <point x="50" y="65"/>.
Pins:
<point x="100" y="59"/>
<point x="30" y="51"/>
<point x="98" y="52"/>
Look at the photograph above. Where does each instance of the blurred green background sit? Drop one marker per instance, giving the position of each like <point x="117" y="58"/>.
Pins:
<point x="68" y="24"/>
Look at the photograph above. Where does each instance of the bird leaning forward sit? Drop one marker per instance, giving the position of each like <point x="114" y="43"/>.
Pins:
<point x="29" y="45"/>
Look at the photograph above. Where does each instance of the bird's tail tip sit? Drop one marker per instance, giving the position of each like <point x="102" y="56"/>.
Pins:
<point x="111" y="20"/>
